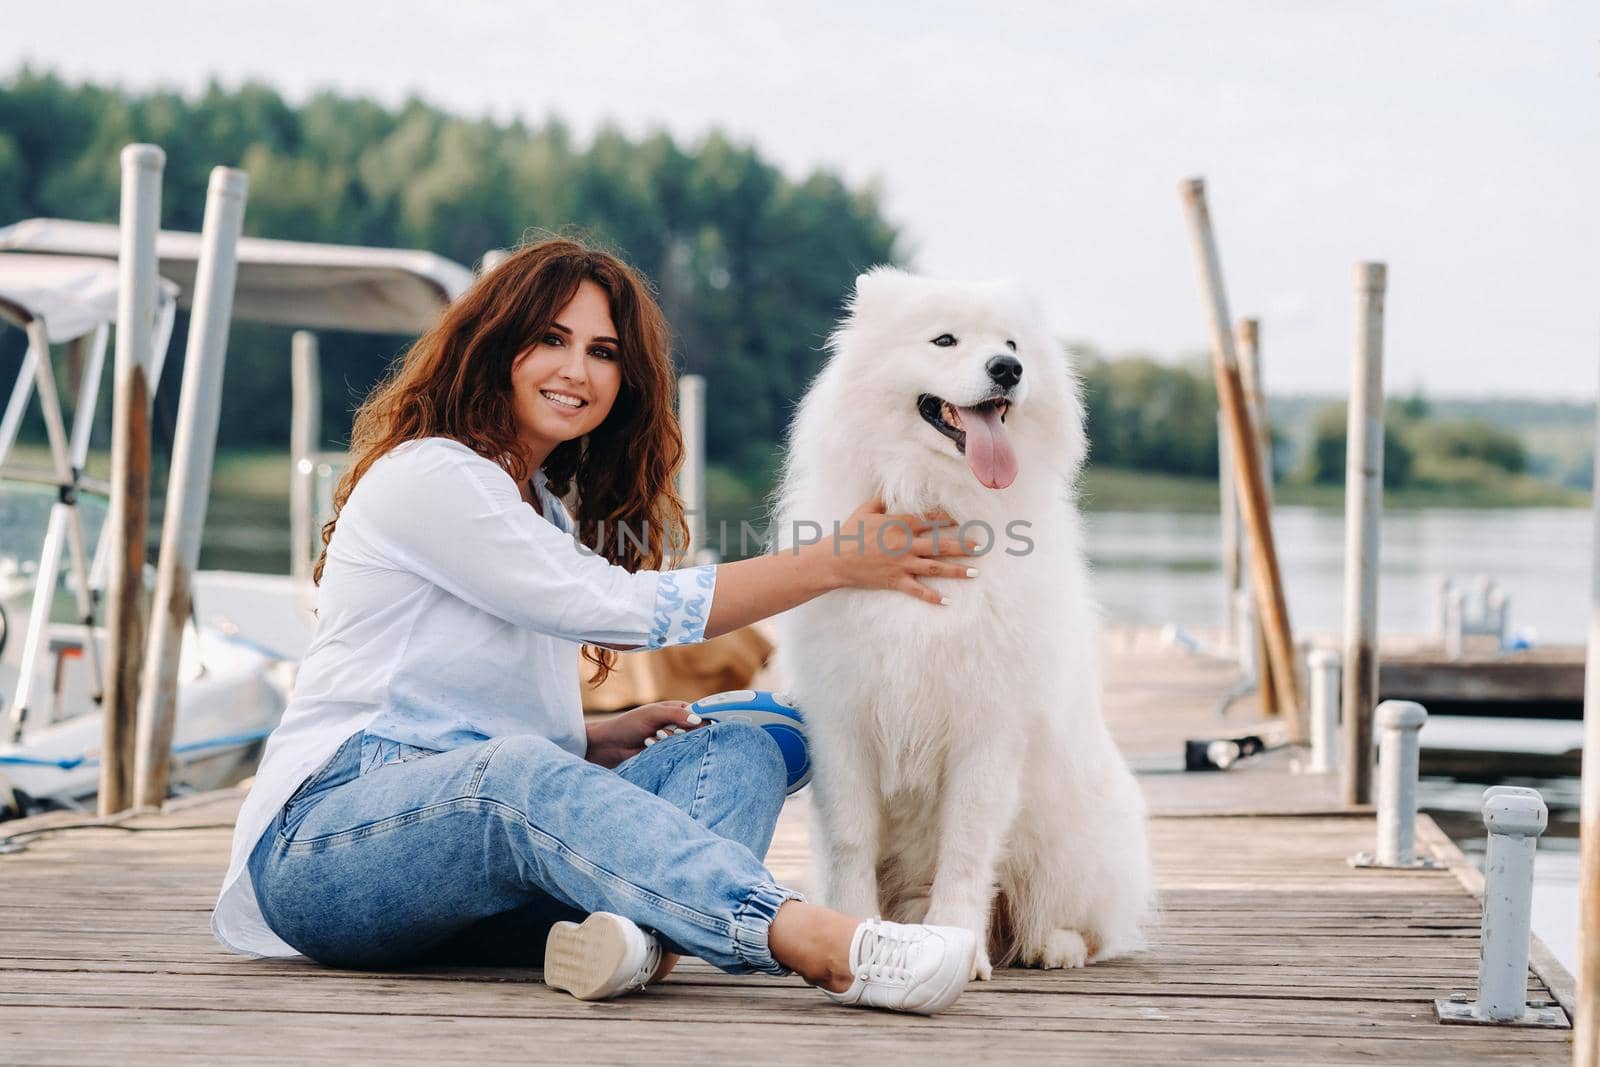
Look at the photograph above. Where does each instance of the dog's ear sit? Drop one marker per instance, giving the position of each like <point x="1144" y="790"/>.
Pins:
<point x="873" y="283"/>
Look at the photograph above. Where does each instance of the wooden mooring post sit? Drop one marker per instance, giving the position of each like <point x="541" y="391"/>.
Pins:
<point x="1363" y="504"/>
<point x="1266" y="580"/>
<point x="1228" y="504"/>
<point x="305" y="438"/>
<point x="189" y="485"/>
<point x="1255" y="395"/>
<point x="692" y="476"/>
<point x="1586" y="1042"/>
<point x="128" y="522"/>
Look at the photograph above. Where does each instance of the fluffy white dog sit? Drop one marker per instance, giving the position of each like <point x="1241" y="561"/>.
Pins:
<point x="960" y="750"/>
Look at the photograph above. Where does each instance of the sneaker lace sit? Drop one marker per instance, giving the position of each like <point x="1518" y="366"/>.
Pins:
<point x="884" y="955"/>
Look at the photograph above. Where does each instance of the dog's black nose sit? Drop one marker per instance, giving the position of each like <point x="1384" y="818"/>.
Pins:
<point x="1005" y="370"/>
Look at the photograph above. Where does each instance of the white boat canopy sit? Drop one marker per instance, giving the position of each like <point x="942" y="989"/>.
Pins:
<point x="70" y="295"/>
<point x="292" y="283"/>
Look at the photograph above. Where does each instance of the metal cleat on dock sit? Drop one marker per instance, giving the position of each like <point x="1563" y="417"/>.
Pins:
<point x="1399" y="723"/>
<point x="1515" y="817"/>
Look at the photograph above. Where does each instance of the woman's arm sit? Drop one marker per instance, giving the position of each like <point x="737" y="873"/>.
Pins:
<point x="893" y="552"/>
<point x="442" y="512"/>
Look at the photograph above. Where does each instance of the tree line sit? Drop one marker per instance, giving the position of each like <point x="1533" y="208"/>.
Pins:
<point x="750" y="264"/>
<point x="1149" y="415"/>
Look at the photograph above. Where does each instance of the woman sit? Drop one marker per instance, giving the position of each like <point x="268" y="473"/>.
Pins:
<point x="433" y="792"/>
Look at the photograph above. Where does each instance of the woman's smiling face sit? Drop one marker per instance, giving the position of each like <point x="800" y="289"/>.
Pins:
<point x="564" y="385"/>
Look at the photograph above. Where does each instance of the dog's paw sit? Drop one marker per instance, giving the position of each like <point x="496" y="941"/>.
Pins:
<point x="1061" y="948"/>
<point x="982" y="970"/>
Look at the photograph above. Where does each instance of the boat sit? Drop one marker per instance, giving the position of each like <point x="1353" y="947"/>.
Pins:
<point x="51" y="671"/>
<point x="58" y="281"/>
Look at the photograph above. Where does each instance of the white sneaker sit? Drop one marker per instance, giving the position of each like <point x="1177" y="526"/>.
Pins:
<point x="603" y="957"/>
<point x="908" y="967"/>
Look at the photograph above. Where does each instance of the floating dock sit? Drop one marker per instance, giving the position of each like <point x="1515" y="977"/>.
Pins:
<point x="1271" y="948"/>
<point x="1542" y="682"/>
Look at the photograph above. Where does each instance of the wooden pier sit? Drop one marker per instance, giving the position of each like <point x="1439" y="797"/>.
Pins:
<point x="1271" y="949"/>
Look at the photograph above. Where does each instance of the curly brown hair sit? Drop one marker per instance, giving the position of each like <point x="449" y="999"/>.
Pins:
<point x="455" y="382"/>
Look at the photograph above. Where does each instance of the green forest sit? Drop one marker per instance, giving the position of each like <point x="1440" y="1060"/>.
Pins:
<point x="750" y="264"/>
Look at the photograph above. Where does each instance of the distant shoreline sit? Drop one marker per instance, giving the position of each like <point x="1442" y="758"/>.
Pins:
<point x="260" y="478"/>
<point x="1120" y="489"/>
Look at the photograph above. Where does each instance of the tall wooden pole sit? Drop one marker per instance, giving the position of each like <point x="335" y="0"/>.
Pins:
<point x="1228" y="499"/>
<point x="128" y="522"/>
<point x="1586" y="1041"/>
<point x="1363" y="504"/>
<point x="1266" y="580"/>
<point x="189" y="486"/>
<point x="1255" y="395"/>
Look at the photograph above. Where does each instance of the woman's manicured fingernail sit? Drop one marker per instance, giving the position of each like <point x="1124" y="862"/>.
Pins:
<point x="649" y="741"/>
<point x="972" y="572"/>
<point x="694" y="720"/>
<point x="944" y="600"/>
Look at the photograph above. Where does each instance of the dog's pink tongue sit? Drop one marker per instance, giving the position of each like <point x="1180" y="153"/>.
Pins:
<point x="988" y="451"/>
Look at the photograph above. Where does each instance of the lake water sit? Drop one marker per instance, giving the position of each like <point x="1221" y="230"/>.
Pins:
<point x="1157" y="568"/>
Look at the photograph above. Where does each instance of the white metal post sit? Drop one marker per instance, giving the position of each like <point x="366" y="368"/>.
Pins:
<point x="1399" y="724"/>
<point x="305" y="437"/>
<point x="128" y="521"/>
<point x="1363" y="502"/>
<point x="1514" y="821"/>
<point x="1324" y="665"/>
<point x="1514" y="817"/>
<point x="189" y="484"/>
<point x="692" y="479"/>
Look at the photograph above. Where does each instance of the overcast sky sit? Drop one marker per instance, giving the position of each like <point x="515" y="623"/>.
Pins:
<point x="1459" y="142"/>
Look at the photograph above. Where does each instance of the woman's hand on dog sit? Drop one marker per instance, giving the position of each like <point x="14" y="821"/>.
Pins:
<point x="628" y="734"/>
<point x="876" y="550"/>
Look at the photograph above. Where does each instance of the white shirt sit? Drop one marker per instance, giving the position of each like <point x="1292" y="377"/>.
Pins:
<point x="449" y="612"/>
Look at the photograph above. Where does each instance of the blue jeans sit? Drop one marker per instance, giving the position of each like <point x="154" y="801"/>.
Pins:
<point x="392" y="854"/>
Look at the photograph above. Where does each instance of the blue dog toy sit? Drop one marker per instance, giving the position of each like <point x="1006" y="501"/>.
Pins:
<point x="782" y="722"/>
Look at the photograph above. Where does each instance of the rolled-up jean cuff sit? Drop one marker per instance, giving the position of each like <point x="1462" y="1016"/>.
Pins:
<point x="752" y="923"/>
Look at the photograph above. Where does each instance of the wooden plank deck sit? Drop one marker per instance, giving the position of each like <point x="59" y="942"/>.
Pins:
<point x="1271" y="949"/>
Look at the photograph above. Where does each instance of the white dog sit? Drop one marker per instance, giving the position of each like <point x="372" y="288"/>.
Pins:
<point x="960" y="749"/>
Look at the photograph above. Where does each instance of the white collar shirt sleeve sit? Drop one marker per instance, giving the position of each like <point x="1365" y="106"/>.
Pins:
<point x="439" y="510"/>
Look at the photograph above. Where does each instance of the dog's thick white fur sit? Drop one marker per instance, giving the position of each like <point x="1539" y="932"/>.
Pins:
<point x="960" y="750"/>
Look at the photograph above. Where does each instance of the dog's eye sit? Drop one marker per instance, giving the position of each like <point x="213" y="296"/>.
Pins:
<point x="1011" y="345"/>
<point x="944" y="340"/>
